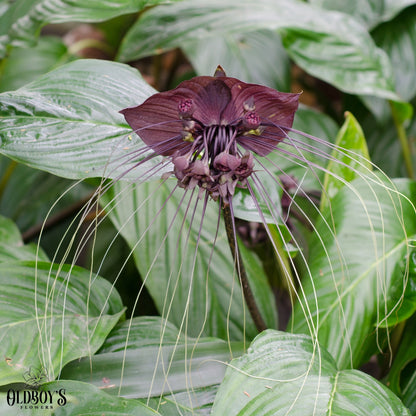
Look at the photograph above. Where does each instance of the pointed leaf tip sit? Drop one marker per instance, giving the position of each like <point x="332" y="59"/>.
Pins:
<point x="219" y="72"/>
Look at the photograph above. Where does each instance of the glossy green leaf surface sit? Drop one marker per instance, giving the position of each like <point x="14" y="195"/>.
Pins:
<point x="278" y="165"/>
<point x="23" y="20"/>
<point x="294" y="159"/>
<point x="348" y="163"/>
<point x="284" y="374"/>
<point x="28" y="194"/>
<point x="329" y="45"/>
<point x="67" y="122"/>
<point x="175" y="248"/>
<point x="15" y="72"/>
<point x="384" y="146"/>
<point x="409" y="392"/>
<point x="405" y="356"/>
<point x="148" y="357"/>
<point x="242" y="56"/>
<point x="370" y="12"/>
<point x="357" y="261"/>
<point x="12" y="247"/>
<point x="247" y="208"/>
<point x="71" y="398"/>
<point x="398" y="39"/>
<point x="51" y="316"/>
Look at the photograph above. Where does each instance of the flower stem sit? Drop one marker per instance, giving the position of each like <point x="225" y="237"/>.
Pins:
<point x="248" y="294"/>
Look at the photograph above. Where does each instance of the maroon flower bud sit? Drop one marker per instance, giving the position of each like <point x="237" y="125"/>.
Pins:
<point x="200" y="169"/>
<point x="185" y="108"/>
<point x="225" y="162"/>
<point x="181" y="164"/>
<point x="251" y="121"/>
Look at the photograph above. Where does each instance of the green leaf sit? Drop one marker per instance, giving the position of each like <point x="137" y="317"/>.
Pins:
<point x="75" y="398"/>
<point x="384" y="146"/>
<point x="405" y="355"/>
<point x="199" y="404"/>
<point x="164" y="234"/>
<point x="242" y="56"/>
<point x="171" y="366"/>
<point x="316" y="124"/>
<point x="347" y="164"/>
<point x="12" y="247"/>
<point x="358" y="261"/>
<point x="284" y="373"/>
<point x="22" y="22"/>
<point x="246" y="208"/>
<point x="406" y="292"/>
<point x="370" y="12"/>
<point x="67" y="121"/>
<point x="409" y="392"/>
<point x="398" y="39"/>
<point x="277" y="164"/>
<point x="9" y="233"/>
<point x="329" y="45"/>
<point x="28" y="194"/>
<point x="16" y="71"/>
<point x="4" y="5"/>
<point x="50" y="315"/>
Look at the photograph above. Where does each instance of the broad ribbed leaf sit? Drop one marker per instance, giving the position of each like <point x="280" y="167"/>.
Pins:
<point x="23" y="20"/>
<point x="48" y="54"/>
<point x="50" y="316"/>
<point x="245" y="207"/>
<point x="71" y="398"/>
<point x="165" y="237"/>
<point x="318" y="125"/>
<point x="409" y="391"/>
<point x="67" y="121"/>
<point x="371" y="12"/>
<point x="358" y="262"/>
<point x="285" y="374"/>
<point x="384" y="147"/>
<point x="403" y="372"/>
<point x="28" y="195"/>
<point x="348" y="163"/>
<point x="329" y="45"/>
<point x="9" y="233"/>
<point x="4" y="5"/>
<point x="148" y="357"/>
<point x="12" y="247"/>
<point x="242" y="56"/>
<point x="306" y="119"/>
<point x="398" y="39"/>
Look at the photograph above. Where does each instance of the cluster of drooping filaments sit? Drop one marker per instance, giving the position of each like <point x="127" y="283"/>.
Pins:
<point x="214" y="163"/>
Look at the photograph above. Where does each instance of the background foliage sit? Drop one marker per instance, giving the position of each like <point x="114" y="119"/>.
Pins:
<point x="67" y="69"/>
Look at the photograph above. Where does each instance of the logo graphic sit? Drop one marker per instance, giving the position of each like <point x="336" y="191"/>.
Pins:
<point x="32" y="397"/>
<point x="34" y="377"/>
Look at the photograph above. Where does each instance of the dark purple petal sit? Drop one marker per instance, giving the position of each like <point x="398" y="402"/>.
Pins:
<point x="157" y="122"/>
<point x="211" y="102"/>
<point x="219" y="72"/>
<point x="169" y="122"/>
<point x="275" y="109"/>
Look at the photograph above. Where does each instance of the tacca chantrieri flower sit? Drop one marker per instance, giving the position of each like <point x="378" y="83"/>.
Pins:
<point x="211" y="126"/>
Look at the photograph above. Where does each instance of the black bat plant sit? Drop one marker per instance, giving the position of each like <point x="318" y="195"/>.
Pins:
<point x="230" y="196"/>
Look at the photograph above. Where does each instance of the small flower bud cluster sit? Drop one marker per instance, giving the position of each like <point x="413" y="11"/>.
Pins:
<point x="220" y="180"/>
